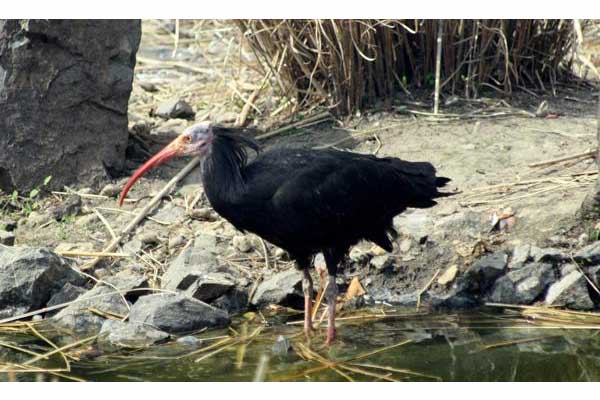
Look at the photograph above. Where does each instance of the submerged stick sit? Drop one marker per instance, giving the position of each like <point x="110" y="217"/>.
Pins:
<point x="142" y="214"/>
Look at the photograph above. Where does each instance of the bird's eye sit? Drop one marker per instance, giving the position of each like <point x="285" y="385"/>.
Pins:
<point x="187" y="139"/>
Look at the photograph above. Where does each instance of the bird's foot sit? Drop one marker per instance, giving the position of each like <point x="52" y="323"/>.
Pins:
<point x="330" y="335"/>
<point x="308" y="325"/>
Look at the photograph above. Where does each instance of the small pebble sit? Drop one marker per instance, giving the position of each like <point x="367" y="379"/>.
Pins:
<point x="405" y="245"/>
<point x="190" y="341"/>
<point x="148" y="86"/>
<point x="282" y="346"/>
<point x="37" y="317"/>
<point x="7" y="238"/>
<point x="176" y="241"/>
<point x="242" y="243"/>
<point x="111" y="190"/>
<point x="150" y="238"/>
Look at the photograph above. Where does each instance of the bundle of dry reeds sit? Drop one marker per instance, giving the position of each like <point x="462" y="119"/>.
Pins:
<point x="353" y="64"/>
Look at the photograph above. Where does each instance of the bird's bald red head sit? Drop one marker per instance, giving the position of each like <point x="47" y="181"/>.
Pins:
<point x="193" y="141"/>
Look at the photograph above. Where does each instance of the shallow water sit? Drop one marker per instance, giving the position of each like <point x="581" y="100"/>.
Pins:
<point x="482" y="345"/>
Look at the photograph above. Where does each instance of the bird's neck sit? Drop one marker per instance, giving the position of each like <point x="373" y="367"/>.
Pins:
<point x="222" y="173"/>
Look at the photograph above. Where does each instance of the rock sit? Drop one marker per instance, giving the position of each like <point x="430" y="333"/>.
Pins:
<point x="381" y="262"/>
<point x="78" y="318"/>
<point x="357" y="255"/>
<point x="150" y="238"/>
<point x="521" y="254"/>
<point x="176" y="241"/>
<point x="282" y="346"/>
<point x="129" y="334"/>
<point x="405" y="245"/>
<point x="225" y="117"/>
<point x="209" y="286"/>
<point x="111" y="190"/>
<point x="570" y="292"/>
<point x="133" y="246"/>
<point x="8" y="225"/>
<point x="29" y="277"/>
<point x="589" y="255"/>
<point x="448" y="275"/>
<point x="66" y="246"/>
<point x="547" y="255"/>
<point x="204" y="214"/>
<point x="189" y="340"/>
<point x="176" y="313"/>
<point x="523" y="285"/>
<point x="583" y="239"/>
<point x="234" y="301"/>
<point x="566" y="269"/>
<point x="67" y="293"/>
<point x="283" y="288"/>
<point x="242" y="244"/>
<point x="7" y="238"/>
<point x="170" y="214"/>
<point x="465" y="224"/>
<point x="416" y="224"/>
<point x="191" y="264"/>
<point x="66" y="84"/>
<point x="482" y="274"/>
<point x="148" y="86"/>
<point x="86" y="220"/>
<point x="175" y="108"/>
<point x="38" y="219"/>
<point x="282" y="254"/>
<point x="70" y="206"/>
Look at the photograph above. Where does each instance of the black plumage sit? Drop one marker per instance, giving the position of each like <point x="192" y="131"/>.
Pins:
<point x="309" y="201"/>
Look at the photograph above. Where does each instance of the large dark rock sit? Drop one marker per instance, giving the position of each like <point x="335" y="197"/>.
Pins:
<point x="523" y="285"/>
<point x="570" y="291"/>
<point x="176" y="313"/>
<point x="29" y="277"/>
<point x="64" y="89"/>
<point x="589" y="255"/>
<point x="483" y="273"/>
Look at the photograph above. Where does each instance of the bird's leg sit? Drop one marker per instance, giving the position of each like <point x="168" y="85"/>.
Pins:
<point x="307" y="288"/>
<point x="331" y="294"/>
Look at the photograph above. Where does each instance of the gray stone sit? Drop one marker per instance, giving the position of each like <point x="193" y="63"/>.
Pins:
<point x="405" y="245"/>
<point x="189" y="340"/>
<point x="111" y="190"/>
<point x="523" y="285"/>
<point x="176" y="313"/>
<point x="282" y="346"/>
<point x="170" y="213"/>
<point x="64" y="84"/>
<point x="67" y="293"/>
<point x="8" y="225"/>
<point x="520" y="256"/>
<point x="242" y="243"/>
<point x="465" y="224"/>
<point x="113" y="298"/>
<point x="282" y="288"/>
<point x="381" y="262"/>
<point x="235" y="301"/>
<point x="189" y="265"/>
<point x="86" y="220"/>
<point x="7" y="238"/>
<point x="209" y="286"/>
<point x="483" y="273"/>
<point x="547" y="255"/>
<point x="38" y="219"/>
<point x="416" y="224"/>
<point x="204" y="214"/>
<point x="70" y="206"/>
<point x="570" y="292"/>
<point x="29" y="277"/>
<point x="150" y="238"/>
<point x="174" y="108"/>
<point x="589" y="255"/>
<point x="148" y="86"/>
<point x="129" y="334"/>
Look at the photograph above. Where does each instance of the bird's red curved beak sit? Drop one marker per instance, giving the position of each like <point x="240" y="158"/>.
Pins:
<point x="173" y="149"/>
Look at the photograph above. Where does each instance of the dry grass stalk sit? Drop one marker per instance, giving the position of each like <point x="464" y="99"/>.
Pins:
<point x="353" y="64"/>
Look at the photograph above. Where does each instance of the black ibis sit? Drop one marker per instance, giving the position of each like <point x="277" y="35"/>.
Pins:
<point x="304" y="201"/>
